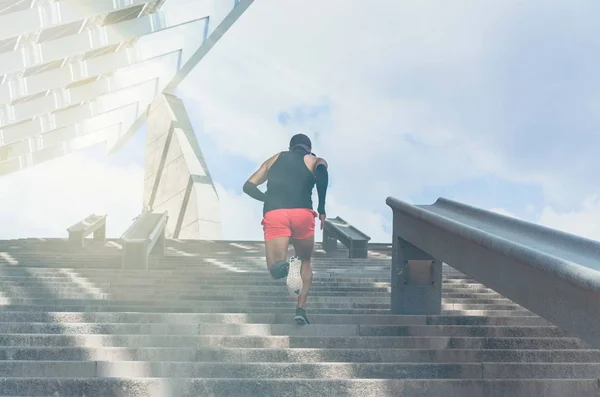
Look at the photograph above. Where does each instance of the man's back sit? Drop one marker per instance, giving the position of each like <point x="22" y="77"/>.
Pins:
<point x="290" y="182"/>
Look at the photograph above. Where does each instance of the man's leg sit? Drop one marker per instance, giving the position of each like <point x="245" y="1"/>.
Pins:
<point x="304" y="249"/>
<point x="277" y="234"/>
<point x="303" y="234"/>
<point x="276" y="253"/>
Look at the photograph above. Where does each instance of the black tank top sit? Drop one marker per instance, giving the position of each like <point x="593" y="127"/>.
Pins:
<point x="289" y="183"/>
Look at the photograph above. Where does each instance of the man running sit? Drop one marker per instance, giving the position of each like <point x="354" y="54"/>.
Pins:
<point x="288" y="213"/>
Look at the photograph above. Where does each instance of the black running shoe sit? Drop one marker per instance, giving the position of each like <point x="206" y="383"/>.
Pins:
<point x="301" y="318"/>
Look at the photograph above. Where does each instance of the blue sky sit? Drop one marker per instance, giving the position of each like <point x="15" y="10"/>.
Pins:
<point x="496" y="104"/>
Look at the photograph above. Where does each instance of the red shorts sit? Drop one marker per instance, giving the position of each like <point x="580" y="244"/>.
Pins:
<point x="297" y="223"/>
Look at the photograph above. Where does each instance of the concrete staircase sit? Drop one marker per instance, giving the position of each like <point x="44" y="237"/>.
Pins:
<point x="207" y="320"/>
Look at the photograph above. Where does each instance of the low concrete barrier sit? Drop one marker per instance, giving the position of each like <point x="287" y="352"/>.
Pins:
<point x="337" y="229"/>
<point x="95" y="224"/>
<point x="144" y="237"/>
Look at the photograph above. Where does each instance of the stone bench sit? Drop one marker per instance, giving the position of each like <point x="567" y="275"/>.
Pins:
<point x="95" y="224"/>
<point x="144" y="237"/>
<point x="337" y="229"/>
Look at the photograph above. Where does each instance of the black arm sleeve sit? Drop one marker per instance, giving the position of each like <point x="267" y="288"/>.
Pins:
<point x="322" y="177"/>
<point x="253" y="191"/>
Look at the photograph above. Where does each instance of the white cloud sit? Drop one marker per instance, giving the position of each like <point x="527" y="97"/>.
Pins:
<point x="504" y="212"/>
<point x="283" y="54"/>
<point x="240" y="215"/>
<point x="44" y="201"/>
<point x="377" y="140"/>
<point x="581" y="222"/>
<point x="369" y="222"/>
<point x="584" y="221"/>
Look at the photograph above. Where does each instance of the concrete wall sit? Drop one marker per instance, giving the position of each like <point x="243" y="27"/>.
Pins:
<point x="177" y="179"/>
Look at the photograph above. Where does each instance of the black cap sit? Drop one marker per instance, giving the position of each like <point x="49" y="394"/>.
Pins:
<point x="302" y="141"/>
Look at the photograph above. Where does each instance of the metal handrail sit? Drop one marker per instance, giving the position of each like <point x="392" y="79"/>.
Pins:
<point x="551" y="273"/>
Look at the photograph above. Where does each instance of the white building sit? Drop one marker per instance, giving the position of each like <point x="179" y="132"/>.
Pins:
<point x="77" y="73"/>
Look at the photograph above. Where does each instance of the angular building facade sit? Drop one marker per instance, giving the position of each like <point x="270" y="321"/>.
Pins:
<point x="79" y="73"/>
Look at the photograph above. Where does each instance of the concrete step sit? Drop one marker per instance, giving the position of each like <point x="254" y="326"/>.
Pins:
<point x="491" y="313"/>
<point x="300" y="355"/>
<point x="108" y="307"/>
<point x="274" y="370"/>
<point x="224" y="309"/>
<point x="24" y="297"/>
<point x="284" y="301"/>
<point x="284" y="341"/>
<point x="185" y="264"/>
<point x="83" y="284"/>
<point x="227" y="387"/>
<point x="44" y="262"/>
<point x="175" y="258"/>
<point x="68" y="286"/>
<point x="264" y="318"/>
<point x="316" y="300"/>
<point x="280" y="329"/>
<point x="74" y="287"/>
<point x="34" y="292"/>
<point x="127" y="298"/>
<point x="475" y="306"/>
<point x="211" y="306"/>
<point x="151" y="276"/>
<point x="92" y="267"/>
<point x="201" y="281"/>
<point x="160" y="278"/>
<point x="89" y="287"/>
<point x="273" y="292"/>
<point x="205" y="285"/>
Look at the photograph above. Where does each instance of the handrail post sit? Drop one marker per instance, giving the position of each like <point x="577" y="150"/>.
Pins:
<point x="100" y="233"/>
<point x="145" y="237"/>
<point x="329" y="242"/>
<point x="135" y="255"/>
<point x="77" y="238"/>
<point x="94" y="224"/>
<point x="416" y="278"/>
<point x="159" y="246"/>
<point x="337" y="229"/>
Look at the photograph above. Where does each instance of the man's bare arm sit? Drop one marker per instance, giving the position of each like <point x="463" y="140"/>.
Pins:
<point x="258" y="178"/>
